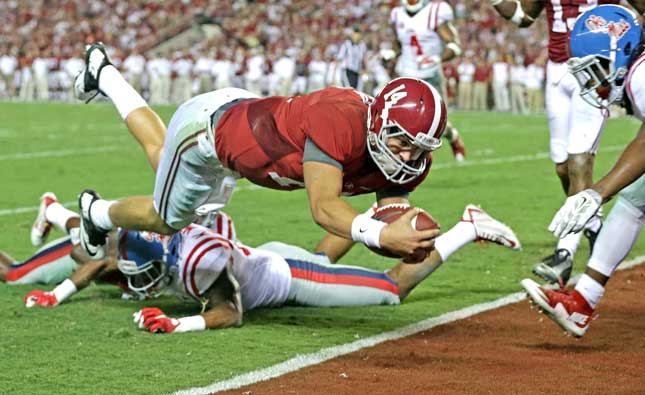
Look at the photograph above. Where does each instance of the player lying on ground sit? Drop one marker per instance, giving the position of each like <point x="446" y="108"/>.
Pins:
<point x="607" y="60"/>
<point x="63" y="260"/>
<point x="227" y="277"/>
<point x="331" y="142"/>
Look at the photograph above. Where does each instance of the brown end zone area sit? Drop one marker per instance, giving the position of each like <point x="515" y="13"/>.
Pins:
<point x="512" y="350"/>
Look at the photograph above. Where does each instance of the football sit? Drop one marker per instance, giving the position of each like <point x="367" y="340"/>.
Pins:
<point x="422" y="221"/>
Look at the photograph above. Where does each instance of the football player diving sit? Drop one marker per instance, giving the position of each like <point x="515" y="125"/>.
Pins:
<point x="331" y="142"/>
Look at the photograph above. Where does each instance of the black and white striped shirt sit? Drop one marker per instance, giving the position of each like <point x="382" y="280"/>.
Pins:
<point x="351" y="55"/>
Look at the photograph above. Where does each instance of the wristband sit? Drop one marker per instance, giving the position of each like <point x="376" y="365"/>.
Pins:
<point x="367" y="230"/>
<point x="189" y="324"/>
<point x="519" y="14"/>
<point x="454" y="47"/>
<point x="64" y="290"/>
<point x="495" y="2"/>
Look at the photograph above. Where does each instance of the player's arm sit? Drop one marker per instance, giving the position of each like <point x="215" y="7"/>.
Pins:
<point x="639" y="5"/>
<point x="87" y="271"/>
<point x="224" y="310"/>
<point x="450" y="38"/>
<point x="522" y="13"/>
<point x="579" y="208"/>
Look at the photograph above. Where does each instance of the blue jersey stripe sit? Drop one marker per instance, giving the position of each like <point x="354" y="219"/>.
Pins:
<point x="338" y="270"/>
<point x="66" y="241"/>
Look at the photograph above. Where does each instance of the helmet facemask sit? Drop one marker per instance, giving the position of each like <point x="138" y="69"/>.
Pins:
<point x="391" y="165"/>
<point x="596" y="73"/>
<point x="148" y="280"/>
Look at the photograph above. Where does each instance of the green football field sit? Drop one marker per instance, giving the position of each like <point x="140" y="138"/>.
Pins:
<point x="90" y="345"/>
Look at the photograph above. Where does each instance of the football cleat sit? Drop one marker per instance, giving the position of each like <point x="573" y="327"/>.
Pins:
<point x="488" y="228"/>
<point x="92" y="237"/>
<point x="570" y="310"/>
<point x="458" y="149"/>
<point x="555" y="268"/>
<point x="41" y="227"/>
<point x="86" y="84"/>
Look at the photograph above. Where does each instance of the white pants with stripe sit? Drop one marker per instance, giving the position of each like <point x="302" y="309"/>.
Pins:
<point x="316" y="282"/>
<point x="189" y="174"/>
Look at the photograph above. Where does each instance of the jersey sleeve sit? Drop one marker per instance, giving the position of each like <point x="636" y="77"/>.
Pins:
<point x="393" y="15"/>
<point x="445" y="13"/>
<point x="636" y="89"/>
<point x="314" y="154"/>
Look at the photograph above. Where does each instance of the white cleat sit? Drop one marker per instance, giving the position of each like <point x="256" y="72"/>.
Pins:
<point x="489" y="229"/>
<point x="41" y="227"/>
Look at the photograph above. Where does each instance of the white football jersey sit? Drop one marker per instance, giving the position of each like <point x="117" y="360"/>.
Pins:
<point x="264" y="277"/>
<point x="635" y="87"/>
<point x="419" y="39"/>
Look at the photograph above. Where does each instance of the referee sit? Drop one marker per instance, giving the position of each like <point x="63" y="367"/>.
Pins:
<point x="352" y="58"/>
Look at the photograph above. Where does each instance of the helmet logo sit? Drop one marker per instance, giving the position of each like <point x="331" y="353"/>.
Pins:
<point x="391" y="98"/>
<point x="615" y="30"/>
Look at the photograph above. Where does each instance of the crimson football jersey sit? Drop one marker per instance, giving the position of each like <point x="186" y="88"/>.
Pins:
<point x="561" y="15"/>
<point x="264" y="140"/>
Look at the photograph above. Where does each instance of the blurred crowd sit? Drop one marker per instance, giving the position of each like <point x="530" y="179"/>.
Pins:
<point x="271" y="47"/>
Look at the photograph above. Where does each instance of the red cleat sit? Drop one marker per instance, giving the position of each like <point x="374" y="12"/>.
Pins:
<point x="570" y="310"/>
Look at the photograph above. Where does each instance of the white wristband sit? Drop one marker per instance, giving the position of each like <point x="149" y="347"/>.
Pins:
<point x="64" y="290"/>
<point x="495" y="2"/>
<point x="519" y="14"/>
<point x="189" y="324"/>
<point x="455" y="48"/>
<point x="367" y="230"/>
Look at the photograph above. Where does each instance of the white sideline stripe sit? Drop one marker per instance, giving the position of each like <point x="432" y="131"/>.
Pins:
<point x="58" y="153"/>
<point x="492" y="161"/>
<point x="302" y="361"/>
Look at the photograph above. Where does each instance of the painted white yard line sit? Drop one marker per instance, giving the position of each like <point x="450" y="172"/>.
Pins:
<point x="302" y="361"/>
<point x="435" y="167"/>
<point x="59" y="153"/>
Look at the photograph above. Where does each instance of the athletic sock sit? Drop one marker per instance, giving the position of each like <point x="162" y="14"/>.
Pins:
<point x="590" y="289"/>
<point x="459" y="235"/>
<point x="100" y="213"/>
<point x="122" y="94"/>
<point x="617" y="237"/>
<point x="58" y="215"/>
<point x="570" y="243"/>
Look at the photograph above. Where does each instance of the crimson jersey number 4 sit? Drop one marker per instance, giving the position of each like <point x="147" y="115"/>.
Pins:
<point x="414" y="42"/>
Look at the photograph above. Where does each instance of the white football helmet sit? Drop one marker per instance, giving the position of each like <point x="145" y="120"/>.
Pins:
<point x="147" y="280"/>
<point x="413" y="6"/>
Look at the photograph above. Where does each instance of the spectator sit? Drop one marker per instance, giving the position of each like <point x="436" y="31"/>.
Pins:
<point x="534" y="86"/>
<point x="480" y="85"/>
<point x="466" y="72"/>
<point x="501" y="73"/>
<point x="518" y="76"/>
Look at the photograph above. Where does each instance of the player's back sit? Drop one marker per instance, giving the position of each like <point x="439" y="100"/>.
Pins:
<point x="561" y="16"/>
<point x="264" y="139"/>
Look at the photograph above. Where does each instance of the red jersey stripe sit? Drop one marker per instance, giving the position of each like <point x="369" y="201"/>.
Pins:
<point x="17" y="274"/>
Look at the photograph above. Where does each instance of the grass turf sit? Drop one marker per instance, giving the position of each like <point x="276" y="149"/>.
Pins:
<point x="90" y="345"/>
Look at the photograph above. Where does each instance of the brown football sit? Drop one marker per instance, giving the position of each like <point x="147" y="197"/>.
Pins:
<point x="422" y="221"/>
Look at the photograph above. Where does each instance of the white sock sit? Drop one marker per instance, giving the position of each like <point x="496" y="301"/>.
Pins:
<point x="617" y="237"/>
<point x="64" y="290"/>
<point x="59" y="215"/>
<point x="122" y="94"/>
<point x="100" y="213"/>
<point x="459" y="235"/>
<point x="570" y="242"/>
<point x="590" y="289"/>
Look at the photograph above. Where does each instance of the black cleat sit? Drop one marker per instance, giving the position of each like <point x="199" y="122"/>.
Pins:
<point x="92" y="237"/>
<point x="555" y="268"/>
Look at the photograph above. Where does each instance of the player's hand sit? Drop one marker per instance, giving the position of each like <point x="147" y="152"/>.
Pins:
<point x="575" y="213"/>
<point x="425" y="62"/>
<point x="40" y="298"/>
<point x="402" y="239"/>
<point x="154" y="320"/>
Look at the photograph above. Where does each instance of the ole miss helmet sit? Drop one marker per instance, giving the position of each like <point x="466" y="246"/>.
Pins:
<point x="604" y="42"/>
<point x="410" y="108"/>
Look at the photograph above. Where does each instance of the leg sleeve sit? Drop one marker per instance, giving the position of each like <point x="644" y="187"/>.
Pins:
<point x="50" y="265"/>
